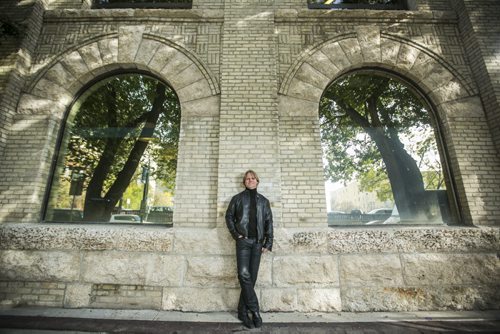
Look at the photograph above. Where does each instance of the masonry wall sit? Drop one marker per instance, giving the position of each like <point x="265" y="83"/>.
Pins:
<point x="249" y="75"/>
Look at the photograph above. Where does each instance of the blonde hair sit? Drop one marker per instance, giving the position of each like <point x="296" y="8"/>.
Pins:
<point x="254" y="175"/>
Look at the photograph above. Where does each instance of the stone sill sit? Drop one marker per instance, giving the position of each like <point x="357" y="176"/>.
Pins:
<point x="61" y="15"/>
<point x="281" y="15"/>
<point x="203" y="240"/>
<point x="328" y="15"/>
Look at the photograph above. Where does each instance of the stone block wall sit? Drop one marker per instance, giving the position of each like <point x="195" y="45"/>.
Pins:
<point x="194" y="269"/>
<point x="249" y="75"/>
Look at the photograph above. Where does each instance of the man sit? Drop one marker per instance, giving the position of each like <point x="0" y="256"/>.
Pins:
<point x="250" y="222"/>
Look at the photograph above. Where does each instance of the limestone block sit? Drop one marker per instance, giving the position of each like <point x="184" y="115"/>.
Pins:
<point x="200" y="299"/>
<point x="356" y="241"/>
<point x="336" y="55"/>
<point x="211" y="271"/>
<point x="109" y="50"/>
<point x="291" y="106"/>
<point x="319" y="300"/>
<point x="394" y="240"/>
<point x="161" y="57"/>
<point x="352" y="50"/>
<point x="407" y="57"/>
<point x="52" y="91"/>
<point x="31" y="104"/>
<point x="194" y="91"/>
<point x="129" y="39"/>
<point x="313" y="271"/>
<point x="60" y="75"/>
<point x="468" y="107"/>
<point x="208" y="106"/>
<point x="265" y="279"/>
<point x="74" y="63"/>
<point x="435" y="269"/>
<point x="322" y="63"/>
<point x="176" y="65"/>
<point x="94" y="237"/>
<point x="396" y="299"/>
<point x="439" y="76"/>
<point x="303" y="90"/>
<point x="422" y="66"/>
<point x="300" y="241"/>
<point x="146" y="51"/>
<point x="91" y="55"/>
<point x="389" y="51"/>
<point x="401" y="299"/>
<point x="132" y="268"/>
<point x="77" y="295"/>
<point x="203" y="241"/>
<point x="309" y="74"/>
<point x="278" y="300"/>
<point x="447" y="239"/>
<point x="451" y="91"/>
<point x="370" y="269"/>
<point x="369" y="41"/>
<point x="186" y="76"/>
<point x="39" y="265"/>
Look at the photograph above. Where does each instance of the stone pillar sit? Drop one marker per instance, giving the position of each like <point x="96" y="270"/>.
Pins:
<point x="248" y="136"/>
<point x="478" y="23"/>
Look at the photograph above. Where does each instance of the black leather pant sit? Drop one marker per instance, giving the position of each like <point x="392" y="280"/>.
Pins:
<point x="248" y="252"/>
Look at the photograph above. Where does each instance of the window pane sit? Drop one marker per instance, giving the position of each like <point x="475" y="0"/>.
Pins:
<point x="381" y="156"/>
<point x="118" y="157"/>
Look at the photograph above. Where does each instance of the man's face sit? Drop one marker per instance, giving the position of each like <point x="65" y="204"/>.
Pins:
<point x="250" y="181"/>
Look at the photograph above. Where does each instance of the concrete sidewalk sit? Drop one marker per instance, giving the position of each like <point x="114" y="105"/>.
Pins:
<point x="57" y="320"/>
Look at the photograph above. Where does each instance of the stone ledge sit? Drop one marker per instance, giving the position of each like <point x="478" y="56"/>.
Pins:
<point x="414" y="239"/>
<point x="306" y="241"/>
<point x="197" y="15"/>
<point x="287" y="15"/>
<point x="42" y="236"/>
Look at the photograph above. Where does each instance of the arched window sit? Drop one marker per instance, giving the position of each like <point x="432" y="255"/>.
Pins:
<point x="117" y="158"/>
<point x="381" y="154"/>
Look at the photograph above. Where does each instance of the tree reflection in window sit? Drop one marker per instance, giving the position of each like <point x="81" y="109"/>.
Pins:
<point x="118" y="153"/>
<point x="377" y="133"/>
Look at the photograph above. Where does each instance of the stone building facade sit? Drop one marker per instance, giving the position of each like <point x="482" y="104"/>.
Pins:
<point x="249" y="75"/>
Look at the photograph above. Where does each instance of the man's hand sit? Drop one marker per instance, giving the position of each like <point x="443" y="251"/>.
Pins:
<point x="265" y="250"/>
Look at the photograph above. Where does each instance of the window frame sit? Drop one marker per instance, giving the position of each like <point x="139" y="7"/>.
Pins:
<point x="60" y="139"/>
<point x="456" y="217"/>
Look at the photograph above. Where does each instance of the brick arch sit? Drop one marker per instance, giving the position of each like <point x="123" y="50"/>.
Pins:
<point x="56" y="85"/>
<point x="314" y="69"/>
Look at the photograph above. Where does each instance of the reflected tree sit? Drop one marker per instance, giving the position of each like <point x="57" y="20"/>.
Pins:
<point x="363" y="120"/>
<point x="119" y="123"/>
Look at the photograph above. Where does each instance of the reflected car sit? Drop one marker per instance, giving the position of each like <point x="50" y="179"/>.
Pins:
<point x="381" y="211"/>
<point x="124" y="218"/>
<point x="65" y="215"/>
<point x="383" y="216"/>
<point x="394" y="218"/>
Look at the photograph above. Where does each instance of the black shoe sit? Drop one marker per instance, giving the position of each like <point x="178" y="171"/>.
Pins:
<point x="247" y="322"/>
<point x="257" y="320"/>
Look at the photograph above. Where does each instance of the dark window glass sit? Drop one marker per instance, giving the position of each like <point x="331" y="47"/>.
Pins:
<point x="118" y="155"/>
<point x="381" y="154"/>
<point x="357" y="4"/>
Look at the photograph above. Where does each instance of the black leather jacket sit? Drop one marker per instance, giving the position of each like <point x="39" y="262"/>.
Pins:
<point x="237" y="217"/>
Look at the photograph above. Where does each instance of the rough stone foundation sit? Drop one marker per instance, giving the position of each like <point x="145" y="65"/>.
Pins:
<point x="189" y="269"/>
